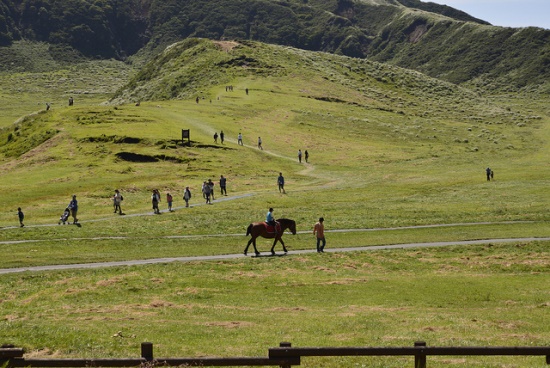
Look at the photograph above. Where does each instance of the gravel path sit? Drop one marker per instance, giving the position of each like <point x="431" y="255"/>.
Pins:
<point x="235" y="256"/>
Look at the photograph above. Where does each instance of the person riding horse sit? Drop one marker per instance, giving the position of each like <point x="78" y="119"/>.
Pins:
<point x="257" y="229"/>
<point x="270" y="220"/>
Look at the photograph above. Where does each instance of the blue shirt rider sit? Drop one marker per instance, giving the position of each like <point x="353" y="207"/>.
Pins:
<point x="269" y="217"/>
<point x="270" y="220"/>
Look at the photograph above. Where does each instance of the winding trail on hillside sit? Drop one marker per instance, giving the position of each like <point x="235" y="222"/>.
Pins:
<point x="240" y="256"/>
<point x="307" y="170"/>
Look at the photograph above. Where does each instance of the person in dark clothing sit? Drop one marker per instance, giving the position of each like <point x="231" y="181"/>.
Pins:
<point x="223" y="183"/>
<point x="21" y="216"/>
<point x="281" y="183"/>
<point x="73" y="206"/>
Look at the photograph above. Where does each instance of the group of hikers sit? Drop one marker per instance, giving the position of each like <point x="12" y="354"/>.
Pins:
<point x="207" y="190"/>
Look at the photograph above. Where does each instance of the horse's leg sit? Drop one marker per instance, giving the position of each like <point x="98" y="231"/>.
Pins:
<point x="247" y="245"/>
<point x="283" y="243"/>
<point x="255" y="249"/>
<point x="277" y="238"/>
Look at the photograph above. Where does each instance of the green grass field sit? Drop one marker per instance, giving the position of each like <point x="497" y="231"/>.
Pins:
<point x="391" y="154"/>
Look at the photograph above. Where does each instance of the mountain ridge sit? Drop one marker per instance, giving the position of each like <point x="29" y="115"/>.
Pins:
<point x="434" y="39"/>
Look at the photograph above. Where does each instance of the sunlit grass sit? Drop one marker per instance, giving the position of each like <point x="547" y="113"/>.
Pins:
<point x="395" y="158"/>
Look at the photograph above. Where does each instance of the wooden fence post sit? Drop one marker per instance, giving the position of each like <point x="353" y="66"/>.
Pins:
<point x="285" y="345"/>
<point x="147" y="351"/>
<point x="419" y="360"/>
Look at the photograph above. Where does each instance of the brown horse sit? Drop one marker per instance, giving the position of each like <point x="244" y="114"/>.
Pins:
<point x="257" y="229"/>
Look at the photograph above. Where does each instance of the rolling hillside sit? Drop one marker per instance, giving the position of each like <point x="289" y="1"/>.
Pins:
<point x="437" y="40"/>
<point x="404" y="126"/>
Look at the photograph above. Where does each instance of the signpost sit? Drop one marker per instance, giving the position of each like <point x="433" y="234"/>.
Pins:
<point x="185" y="135"/>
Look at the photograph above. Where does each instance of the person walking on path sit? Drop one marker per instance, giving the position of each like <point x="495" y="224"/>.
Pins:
<point x="155" y="199"/>
<point x="169" y="200"/>
<point x="216" y="137"/>
<point x="211" y="186"/>
<point x="319" y="232"/>
<point x="240" y="139"/>
<point x="207" y="193"/>
<point x="300" y="156"/>
<point x="186" y="196"/>
<point x="222" y="136"/>
<point x="21" y="216"/>
<point x="306" y="155"/>
<point x="73" y="207"/>
<point x="223" y="182"/>
<point x="489" y="173"/>
<point x="281" y="183"/>
<point x="117" y="200"/>
<point x="260" y="143"/>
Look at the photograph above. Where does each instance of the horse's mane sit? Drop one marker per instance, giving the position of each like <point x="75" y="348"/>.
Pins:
<point x="284" y="220"/>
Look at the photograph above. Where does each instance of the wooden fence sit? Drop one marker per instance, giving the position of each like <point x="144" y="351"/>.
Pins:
<point x="284" y="356"/>
<point x="420" y="351"/>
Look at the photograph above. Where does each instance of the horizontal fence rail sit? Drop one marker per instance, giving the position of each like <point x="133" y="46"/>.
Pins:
<point x="420" y="351"/>
<point x="284" y="356"/>
<point x="13" y="357"/>
<point x="169" y="362"/>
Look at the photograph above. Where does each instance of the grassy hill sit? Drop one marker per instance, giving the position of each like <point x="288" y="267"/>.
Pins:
<point x="396" y="157"/>
<point x="397" y="126"/>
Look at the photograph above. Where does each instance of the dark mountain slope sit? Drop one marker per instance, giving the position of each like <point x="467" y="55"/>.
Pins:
<point x="115" y="28"/>
<point x="437" y="40"/>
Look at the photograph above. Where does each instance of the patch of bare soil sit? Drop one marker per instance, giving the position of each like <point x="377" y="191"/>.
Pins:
<point x="42" y="353"/>
<point x="229" y="324"/>
<point x="226" y="45"/>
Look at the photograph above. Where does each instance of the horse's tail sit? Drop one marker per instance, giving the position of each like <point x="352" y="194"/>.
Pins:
<point x="249" y="230"/>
